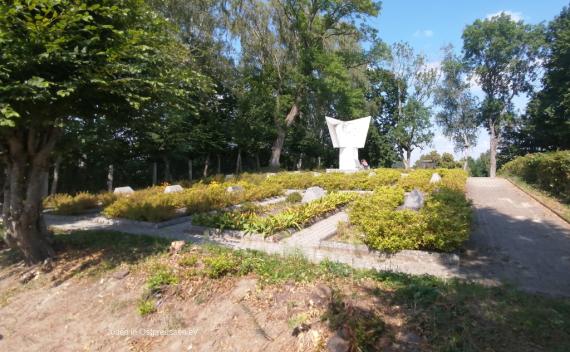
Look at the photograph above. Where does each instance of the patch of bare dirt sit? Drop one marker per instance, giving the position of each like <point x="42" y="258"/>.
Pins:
<point x="56" y="311"/>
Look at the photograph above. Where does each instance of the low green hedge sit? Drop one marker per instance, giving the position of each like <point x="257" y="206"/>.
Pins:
<point x="549" y="172"/>
<point x="154" y="206"/>
<point x="65" y="204"/>
<point x="442" y="224"/>
<point x="336" y="181"/>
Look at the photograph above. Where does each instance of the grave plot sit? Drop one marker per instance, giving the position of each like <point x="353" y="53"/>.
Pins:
<point x="412" y="215"/>
<point x="278" y="219"/>
<point x="152" y="205"/>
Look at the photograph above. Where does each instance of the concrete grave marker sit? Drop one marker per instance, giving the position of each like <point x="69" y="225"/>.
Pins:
<point x="313" y="193"/>
<point x="123" y="190"/>
<point x="173" y="189"/>
<point x="232" y="189"/>
<point x="435" y="178"/>
<point x="413" y="200"/>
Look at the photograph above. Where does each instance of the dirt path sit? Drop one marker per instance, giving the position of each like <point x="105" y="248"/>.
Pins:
<point x="516" y="239"/>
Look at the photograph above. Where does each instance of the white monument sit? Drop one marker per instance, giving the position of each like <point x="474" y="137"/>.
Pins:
<point x="348" y="136"/>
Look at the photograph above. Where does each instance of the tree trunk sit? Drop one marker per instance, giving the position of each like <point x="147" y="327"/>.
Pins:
<point x="218" y="164"/>
<point x="206" y="165"/>
<point x="27" y="161"/>
<point x="167" y="173"/>
<point x="275" y="161"/>
<point x="257" y="162"/>
<point x="319" y="162"/>
<point x="110" y="176"/>
<point x="45" y="183"/>
<point x="408" y="160"/>
<point x="238" y="162"/>
<point x="493" y="157"/>
<point x="55" y="180"/>
<point x="189" y="169"/>
<point x="494" y="141"/>
<point x="465" y="156"/>
<point x="154" y="173"/>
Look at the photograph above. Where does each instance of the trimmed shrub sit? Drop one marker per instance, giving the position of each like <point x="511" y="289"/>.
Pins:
<point x="442" y="225"/>
<point x="294" y="197"/>
<point x="450" y="178"/>
<point x="65" y="204"/>
<point x="363" y="180"/>
<point x="549" y="172"/>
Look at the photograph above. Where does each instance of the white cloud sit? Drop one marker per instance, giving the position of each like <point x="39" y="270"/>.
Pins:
<point x="426" y="33"/>
<point x="516" y="16"/>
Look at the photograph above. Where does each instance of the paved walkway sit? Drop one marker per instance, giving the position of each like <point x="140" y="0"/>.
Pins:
<point x="515" y="239"/>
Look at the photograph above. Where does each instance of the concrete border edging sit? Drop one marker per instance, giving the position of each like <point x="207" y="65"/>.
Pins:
<point x="553" y="211"/>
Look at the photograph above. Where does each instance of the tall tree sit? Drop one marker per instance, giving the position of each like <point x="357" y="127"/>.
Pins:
<point x="415" y="81"/>
<point x="504" y="56"/>
<point x="546" y="124"/>
<point x="458" y="116"/>
<point x="64" y="60"/>
<point x="300" y="43"/>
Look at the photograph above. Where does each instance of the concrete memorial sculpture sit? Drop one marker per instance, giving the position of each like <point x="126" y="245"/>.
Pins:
<point x="348" y="136"/>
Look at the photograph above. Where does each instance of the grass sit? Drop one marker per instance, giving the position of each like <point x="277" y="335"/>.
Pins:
<point x="555" y="204"/>
<point x="451" y="315"/>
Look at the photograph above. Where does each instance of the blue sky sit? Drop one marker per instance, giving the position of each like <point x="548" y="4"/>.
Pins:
<point x="431" y="24"/>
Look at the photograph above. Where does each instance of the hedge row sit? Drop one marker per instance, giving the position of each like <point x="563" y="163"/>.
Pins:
<point x="65" y="204"/>
<point x="549" y="172"/>
<point x="151" y="205"/>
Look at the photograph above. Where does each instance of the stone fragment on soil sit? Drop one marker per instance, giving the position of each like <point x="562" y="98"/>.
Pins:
<point x="337" y="344"/>
<point x="413" y="200"/>
<point x="121" y="274"/>
<point x="176" y="246"/>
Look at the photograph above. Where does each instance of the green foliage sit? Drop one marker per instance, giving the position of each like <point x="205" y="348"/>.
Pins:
<point x="433" y="159"/>
<point x="336" y="181"/>
<point x="67" y="55"/>
<point x="545" y="125"/>
<point x="153" y="205"/>
<point x="504" y="55"/>
<point x="479" y="167"/>
<point x="146" y="307"/>
<point x="443" y="224"/>
<point x="295" y="217"/>
<point x="65" y="204"/>
<point x="294" y="197"/>
<point x="221" y="264"/>
<point x="450" y="178"/>
<point x="161" y="278"/>
<point x="458" y="117"/>
<point x="549" y="172"/>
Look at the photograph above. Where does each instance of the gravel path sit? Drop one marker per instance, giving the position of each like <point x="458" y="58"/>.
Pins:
<point x="517" y="240"/>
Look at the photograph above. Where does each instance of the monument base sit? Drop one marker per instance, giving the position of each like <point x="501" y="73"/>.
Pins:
<point x="351" y="171"/>
<point x="348" y="158"/>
